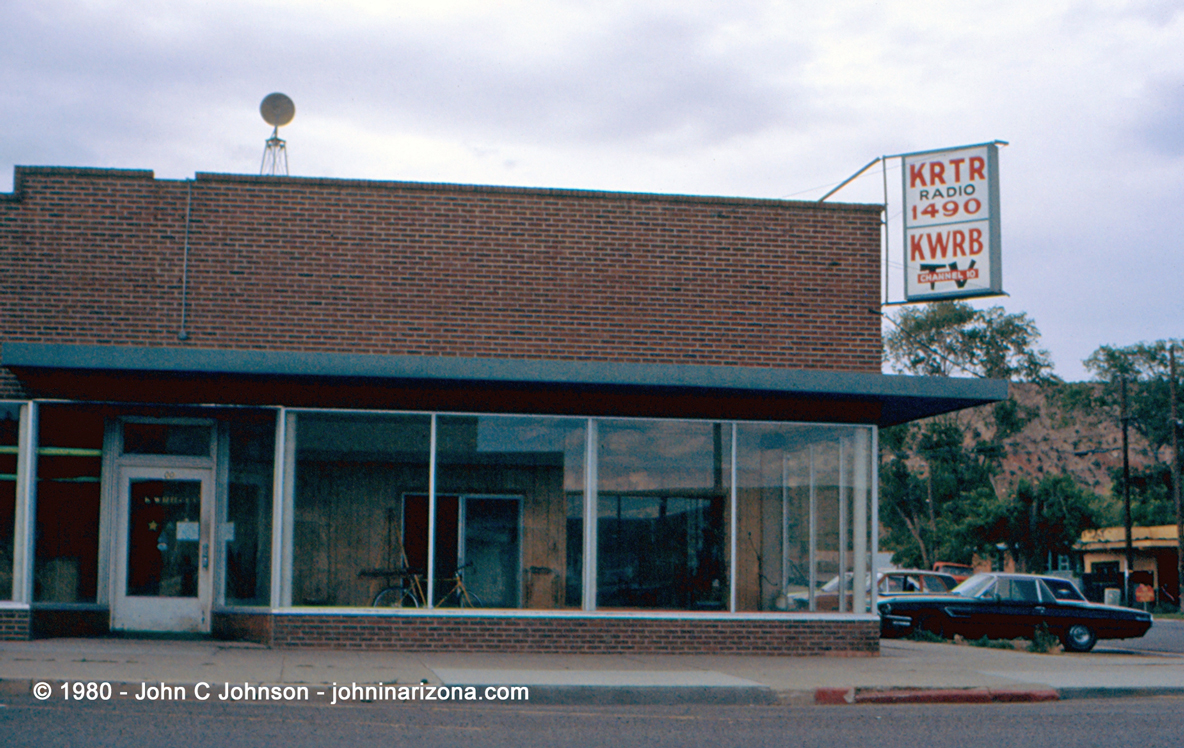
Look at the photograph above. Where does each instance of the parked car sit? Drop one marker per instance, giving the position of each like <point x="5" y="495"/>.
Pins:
<point x="892" y="582"/>
<point x="961" y="572"/>
<point x="1012" y="606"/>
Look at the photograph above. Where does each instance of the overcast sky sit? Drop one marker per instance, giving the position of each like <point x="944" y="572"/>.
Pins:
<point x="753" y="99"/>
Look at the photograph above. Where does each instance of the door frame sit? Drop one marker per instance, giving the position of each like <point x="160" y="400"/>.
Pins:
<point x="119" y="467"/>
<point x="163" y="613"/>
<point x="462" y="542"/>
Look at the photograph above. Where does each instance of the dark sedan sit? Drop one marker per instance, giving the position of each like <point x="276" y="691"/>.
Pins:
<point x="1013" y="606"/>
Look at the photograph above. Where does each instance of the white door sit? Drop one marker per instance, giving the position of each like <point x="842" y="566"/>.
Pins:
<point x="163" y="579"/>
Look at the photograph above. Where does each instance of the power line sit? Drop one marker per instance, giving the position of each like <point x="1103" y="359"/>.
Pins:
<point x="924" y="346"/>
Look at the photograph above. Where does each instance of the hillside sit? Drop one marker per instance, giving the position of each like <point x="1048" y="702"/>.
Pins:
<point x="1047" y="443"/>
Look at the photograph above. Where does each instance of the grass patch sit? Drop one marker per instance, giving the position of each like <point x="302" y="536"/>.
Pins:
<point x="983" y="641"/>
<point x="1169" y="612"/>
<point x="1042" y="641"/>
<point x="921" y="635"/>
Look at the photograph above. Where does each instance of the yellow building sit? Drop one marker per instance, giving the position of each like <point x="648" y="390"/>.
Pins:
<point x="1103" y="554"/>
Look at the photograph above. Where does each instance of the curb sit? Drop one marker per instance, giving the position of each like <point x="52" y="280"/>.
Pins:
<point x="835" y="696"/>
<point x="653" y="695"/>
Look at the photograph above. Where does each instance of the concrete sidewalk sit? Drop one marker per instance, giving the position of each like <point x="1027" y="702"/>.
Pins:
<point x="905" y="671"/>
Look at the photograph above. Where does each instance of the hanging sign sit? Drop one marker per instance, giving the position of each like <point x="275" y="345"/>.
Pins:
<point x="951" y="223"/>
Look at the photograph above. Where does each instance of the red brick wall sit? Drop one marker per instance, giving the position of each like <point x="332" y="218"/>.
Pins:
<point x="95" y="257"/>
<point x="14" y="624"/>
<point x="577" y="634"/>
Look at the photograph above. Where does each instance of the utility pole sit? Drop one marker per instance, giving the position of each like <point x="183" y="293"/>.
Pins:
<point x="1175" y="414"/>
<point x="1126" y="501"/>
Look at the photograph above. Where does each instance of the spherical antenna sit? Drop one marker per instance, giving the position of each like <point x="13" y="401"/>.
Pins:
<point x="277" y="109"/>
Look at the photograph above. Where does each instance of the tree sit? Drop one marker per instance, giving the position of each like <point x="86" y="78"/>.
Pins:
<point x="1152" y="502"/>
<point x="1039" y="522"/>
<point x="929" y="517"/>
<point x="1145" y="368"/>
<point x="937" y="514"/>
<point x="948" y="336"/>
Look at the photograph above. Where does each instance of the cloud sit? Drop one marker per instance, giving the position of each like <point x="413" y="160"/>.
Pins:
<point x="1161" y="126"/>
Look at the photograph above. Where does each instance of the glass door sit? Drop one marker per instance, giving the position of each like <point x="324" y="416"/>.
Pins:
<point x="163" y="579"/>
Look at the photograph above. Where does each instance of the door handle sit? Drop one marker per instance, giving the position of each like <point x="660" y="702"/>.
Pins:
<point x="205" y="555"/>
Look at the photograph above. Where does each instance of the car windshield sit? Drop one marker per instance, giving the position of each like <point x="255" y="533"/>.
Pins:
<point x="974" y="586"/>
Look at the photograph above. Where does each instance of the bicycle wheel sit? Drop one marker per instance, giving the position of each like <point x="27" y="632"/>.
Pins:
<point x="468" y="600"/>
<point x="390" y="597"/>
<point x="395" y="597"/>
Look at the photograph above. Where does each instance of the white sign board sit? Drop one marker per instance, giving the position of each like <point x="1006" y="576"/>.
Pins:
<point x="951" y="223"/>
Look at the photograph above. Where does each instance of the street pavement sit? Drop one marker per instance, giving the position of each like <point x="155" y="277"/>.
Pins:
<point x="904" y="671"/>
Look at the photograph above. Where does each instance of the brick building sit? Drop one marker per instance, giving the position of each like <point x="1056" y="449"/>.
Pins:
<point x="626" y="422"/>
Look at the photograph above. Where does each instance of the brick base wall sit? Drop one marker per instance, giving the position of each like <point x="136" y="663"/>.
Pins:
<point x="51" y="623"/>
<point x="578" y="635"/>
<point x="250" y="627"/>
<point x="14" y="624"/>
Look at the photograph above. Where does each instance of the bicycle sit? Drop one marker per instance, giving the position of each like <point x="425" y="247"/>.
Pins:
<point x="408" y="593"/>
<point x="459" y="596"/>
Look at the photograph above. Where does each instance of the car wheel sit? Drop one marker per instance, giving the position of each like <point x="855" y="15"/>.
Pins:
<point x="1079" y="638"/>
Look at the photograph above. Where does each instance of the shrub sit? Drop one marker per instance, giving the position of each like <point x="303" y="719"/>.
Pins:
<point x="1042" y="641"/>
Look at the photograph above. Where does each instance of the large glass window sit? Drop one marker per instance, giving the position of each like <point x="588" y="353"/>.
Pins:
<point x="510" y="505"/>
<point x="359" y="505"/>
<point x="509" y="510"/>
<point x="802" y="516"/>
<point x="69" y="459"/>
<point x="246" y="526"/>
<point x="662" y="514"/>
<point x="10" y="416"/>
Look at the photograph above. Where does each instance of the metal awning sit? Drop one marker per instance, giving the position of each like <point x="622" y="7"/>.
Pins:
<point x="592" y="388"/>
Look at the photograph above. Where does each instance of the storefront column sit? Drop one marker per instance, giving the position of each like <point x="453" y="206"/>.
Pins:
<point x="283" y="509"/>
<point x="873" y="458"/>
<point x="844" y="490"/>
<point x="861" y="499"/>
<point x="812" y="518"/>
<point x="733" y="507"/>
<point x="431" y="570"/>
<point x="26" y="505"/>
<point x="591" y="512"/>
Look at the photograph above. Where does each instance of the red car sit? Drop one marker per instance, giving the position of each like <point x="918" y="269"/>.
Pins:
<point x="961" y="572"/>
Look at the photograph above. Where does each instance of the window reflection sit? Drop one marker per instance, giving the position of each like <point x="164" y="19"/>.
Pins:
<point x="661" y="515"/>
<point x="353" y="475"/>
<point x="802" y="492"/>
<point x="509" y="510"/>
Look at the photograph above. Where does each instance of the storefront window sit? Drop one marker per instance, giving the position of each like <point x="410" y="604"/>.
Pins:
<point x="176" y="439"/>
<point x="662" y="509"/>
<point x="246" y="527"/>
<point x="802" y="516"/>
<point x="509" y="510"/>
<point x="357" y="514"/>
<point x="10" y="415"/>
<point x="69" y="459"/>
